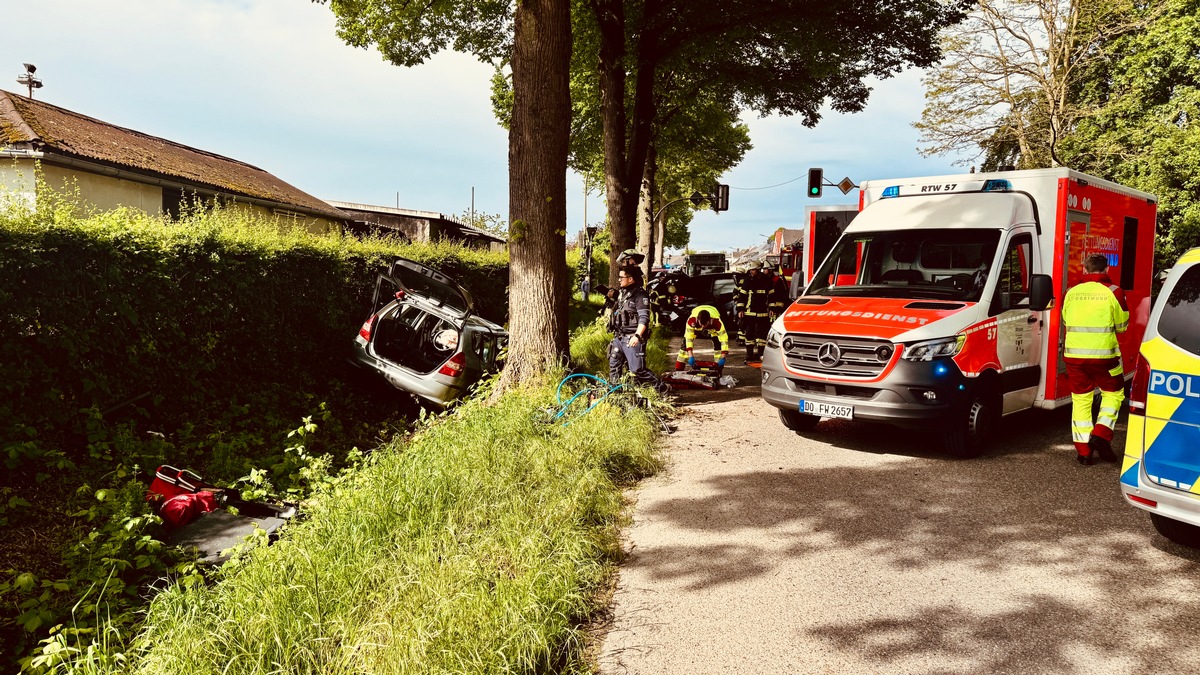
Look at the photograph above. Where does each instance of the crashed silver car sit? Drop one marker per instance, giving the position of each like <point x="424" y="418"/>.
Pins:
<point x="424" y="337"/>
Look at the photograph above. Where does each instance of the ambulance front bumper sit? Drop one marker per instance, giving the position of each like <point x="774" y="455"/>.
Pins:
<point x="911" y="396"/>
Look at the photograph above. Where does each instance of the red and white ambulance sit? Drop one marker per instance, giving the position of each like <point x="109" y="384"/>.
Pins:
<point x="934" y="310"/>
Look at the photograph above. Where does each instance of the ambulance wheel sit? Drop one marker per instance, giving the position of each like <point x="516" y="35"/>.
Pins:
<point x="798" y="421"/>
<point x="1179" y="532"/>
<point x="970" y="429"/>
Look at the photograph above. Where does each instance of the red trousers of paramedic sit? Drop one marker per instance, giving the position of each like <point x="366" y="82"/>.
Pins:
<point x="1085" y="376"/>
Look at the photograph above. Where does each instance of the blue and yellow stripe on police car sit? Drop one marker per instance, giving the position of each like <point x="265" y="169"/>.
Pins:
<point x="1168" y="429"/>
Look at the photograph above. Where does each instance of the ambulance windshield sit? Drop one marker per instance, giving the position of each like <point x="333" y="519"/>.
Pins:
<point x="949" y="264"/>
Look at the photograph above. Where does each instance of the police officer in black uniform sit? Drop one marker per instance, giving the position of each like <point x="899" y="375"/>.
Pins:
<point x="629" y="258"/>
<point x="630" y="325"/>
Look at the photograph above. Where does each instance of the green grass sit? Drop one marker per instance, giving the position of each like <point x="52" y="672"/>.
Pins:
<point x="476" y="546"/>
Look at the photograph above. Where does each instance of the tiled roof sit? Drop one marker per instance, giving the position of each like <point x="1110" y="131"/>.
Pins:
<point x="469" y="230"/>
<point x="51" y="129"/>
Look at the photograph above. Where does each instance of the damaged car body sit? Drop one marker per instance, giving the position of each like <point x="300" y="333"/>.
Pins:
<point x="424" y="336"/>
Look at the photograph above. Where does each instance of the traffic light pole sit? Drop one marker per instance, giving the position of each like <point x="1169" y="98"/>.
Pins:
<point x="719" y="201"/>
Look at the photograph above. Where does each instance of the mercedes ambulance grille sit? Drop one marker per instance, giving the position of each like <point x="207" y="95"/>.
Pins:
<point x="840" y="356"/>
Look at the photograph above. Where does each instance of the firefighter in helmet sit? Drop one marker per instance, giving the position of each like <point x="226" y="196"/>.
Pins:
<point x="779" y="295"/>
<point x="754" y="307"/>
<point x="739" y="288"/>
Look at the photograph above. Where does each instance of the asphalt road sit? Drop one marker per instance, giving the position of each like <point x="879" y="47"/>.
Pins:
<point x="861" y="548"/>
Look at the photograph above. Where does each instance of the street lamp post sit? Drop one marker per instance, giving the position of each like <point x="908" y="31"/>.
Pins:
<point x="695" y="198"/>
<point x="590" y="233"/>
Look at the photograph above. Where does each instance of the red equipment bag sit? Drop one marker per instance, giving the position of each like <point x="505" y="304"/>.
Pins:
<point x="170" y="482"/>
<point x="182" y="509"/>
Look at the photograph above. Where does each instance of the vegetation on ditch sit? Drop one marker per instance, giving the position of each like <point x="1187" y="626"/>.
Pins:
<point x="127" y="342"/>
<point x="476" y="545"/>
<point x="216" y="343"/>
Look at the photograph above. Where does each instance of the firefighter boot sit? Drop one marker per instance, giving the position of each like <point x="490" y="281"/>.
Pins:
<point x="1103" y="448"/>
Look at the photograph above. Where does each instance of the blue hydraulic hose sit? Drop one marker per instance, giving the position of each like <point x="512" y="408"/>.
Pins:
<point x="563" y="407"/>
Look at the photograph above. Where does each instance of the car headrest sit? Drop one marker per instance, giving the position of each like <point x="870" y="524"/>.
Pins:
<point x="904" y="251"/>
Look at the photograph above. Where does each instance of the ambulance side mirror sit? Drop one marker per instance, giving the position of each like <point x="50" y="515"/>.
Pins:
<point x="1041" y="292"/>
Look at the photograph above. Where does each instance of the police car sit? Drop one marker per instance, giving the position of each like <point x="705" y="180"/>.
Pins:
<point x="1161" y="470"/>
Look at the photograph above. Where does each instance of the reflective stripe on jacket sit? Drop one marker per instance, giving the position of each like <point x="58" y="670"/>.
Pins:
<point x="1093" y="315"/>
<point x="754" y="296"/>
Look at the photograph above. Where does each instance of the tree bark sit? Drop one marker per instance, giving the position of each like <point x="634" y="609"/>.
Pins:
<point x="646" y="206"/>
<point x="610" y="17"/>
<point x="537" y="168"/>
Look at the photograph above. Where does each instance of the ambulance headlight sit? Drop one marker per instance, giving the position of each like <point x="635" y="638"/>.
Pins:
<point x="934" y="349"/>
<point x="773" y="337"/>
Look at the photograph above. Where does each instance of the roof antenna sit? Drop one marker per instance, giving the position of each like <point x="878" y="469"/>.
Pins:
<point x="29" y="80"/>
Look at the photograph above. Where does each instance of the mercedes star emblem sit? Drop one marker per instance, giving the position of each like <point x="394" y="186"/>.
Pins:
<point x="829" y="354"/>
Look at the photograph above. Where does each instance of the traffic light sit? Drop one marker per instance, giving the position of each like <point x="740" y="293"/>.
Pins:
<point x="816" y="178"/>
<point x="721" y="198"/>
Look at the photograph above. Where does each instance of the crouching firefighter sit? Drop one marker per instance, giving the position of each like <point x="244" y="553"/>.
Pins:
<point x="704" y="323"/>
<point x="630" y="325"/>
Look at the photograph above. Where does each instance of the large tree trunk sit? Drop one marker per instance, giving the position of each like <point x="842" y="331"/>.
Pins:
<point x="624" y="150"/>
<point x="537" y="189"/>
<point x="648" y="241"/>
<point x="645" y="228"/>
<point x="610" y="17"/>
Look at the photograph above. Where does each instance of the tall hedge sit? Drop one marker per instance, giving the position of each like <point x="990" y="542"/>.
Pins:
<point x="96" y="311"/>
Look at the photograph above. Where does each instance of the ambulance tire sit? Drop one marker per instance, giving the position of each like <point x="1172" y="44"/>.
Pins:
<point x="798" y="421"/>
<point x="1181" y="533"/>
<point x="971" y="427"/>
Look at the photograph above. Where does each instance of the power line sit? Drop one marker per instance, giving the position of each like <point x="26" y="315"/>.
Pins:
<point x="768" y="187"/>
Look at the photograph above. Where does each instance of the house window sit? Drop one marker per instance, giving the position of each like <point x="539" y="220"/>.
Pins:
<point x="172" y="203"/>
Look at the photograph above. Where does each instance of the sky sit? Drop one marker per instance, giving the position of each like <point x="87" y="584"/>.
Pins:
<point x="268" y="82"/>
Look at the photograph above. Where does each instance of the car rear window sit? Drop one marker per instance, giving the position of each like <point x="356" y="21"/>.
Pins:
<point x="724" y="287"/>
<point x="1181" y="312"/>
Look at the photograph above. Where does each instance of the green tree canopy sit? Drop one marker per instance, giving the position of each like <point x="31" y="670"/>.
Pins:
<point x="774" y="56"/>
<point x="1144" y="129"/>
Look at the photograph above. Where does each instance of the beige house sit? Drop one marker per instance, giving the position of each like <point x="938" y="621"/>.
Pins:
<point x="111" y="166"/>
<point x="416" y="226"/>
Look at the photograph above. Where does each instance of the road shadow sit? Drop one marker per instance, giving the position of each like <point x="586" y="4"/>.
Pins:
<point x="1025" y="432"/>
<point x="994" y="515"/>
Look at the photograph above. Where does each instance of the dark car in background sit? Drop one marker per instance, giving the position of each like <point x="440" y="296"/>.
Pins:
<point x="718" y="289"/>
<point x="424" y="337"/>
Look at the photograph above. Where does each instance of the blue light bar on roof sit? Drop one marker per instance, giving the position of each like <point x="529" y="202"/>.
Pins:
<point x="892" y="191"/>
<point x="997" y="185"/>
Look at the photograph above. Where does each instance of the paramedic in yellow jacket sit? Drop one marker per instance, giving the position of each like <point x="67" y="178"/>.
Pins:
<point x="704" y="322"/>
<point x="1094" y="311"/>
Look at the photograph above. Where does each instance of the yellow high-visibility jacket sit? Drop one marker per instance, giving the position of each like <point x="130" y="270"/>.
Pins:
<point x="716" y="327"/>
<point x="1093" y="313"/>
